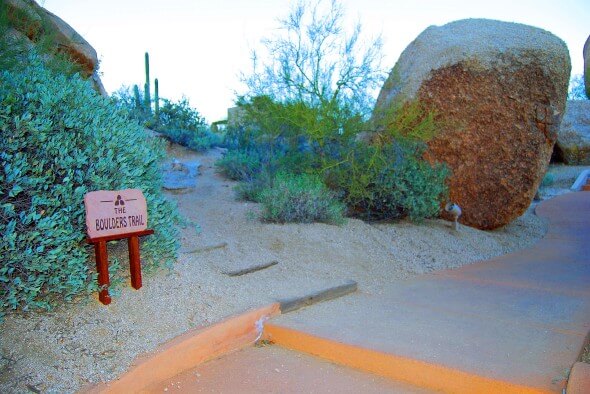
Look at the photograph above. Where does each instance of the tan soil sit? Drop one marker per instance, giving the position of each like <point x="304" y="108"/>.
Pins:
<point x="87" y="342"/>
<point x="563" y="177"/>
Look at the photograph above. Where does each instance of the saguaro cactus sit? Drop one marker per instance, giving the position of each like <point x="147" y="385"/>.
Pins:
<point x="147" y="98"/>
<point x="156" y="99"/>
<point x="137" y="98"/>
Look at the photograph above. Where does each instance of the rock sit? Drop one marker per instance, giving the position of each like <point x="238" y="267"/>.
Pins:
<point x="498" y="90"/>
<point x="587" y="66"/>
<point x="180" y="177"/>
<point x="35" y="22"/>
<point x="573" y="140"/>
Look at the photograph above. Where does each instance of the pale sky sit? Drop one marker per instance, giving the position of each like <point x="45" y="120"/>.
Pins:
<point x="198" y="48"/>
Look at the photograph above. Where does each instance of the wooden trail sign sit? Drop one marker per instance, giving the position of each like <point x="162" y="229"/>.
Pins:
<point x="112" y="215"/>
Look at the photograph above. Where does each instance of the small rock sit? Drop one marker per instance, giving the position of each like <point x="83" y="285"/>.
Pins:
<point x="180" y="176"/>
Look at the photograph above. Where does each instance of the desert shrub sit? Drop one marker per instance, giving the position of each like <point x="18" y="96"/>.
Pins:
<point x="390" y="182"/>
<point x="577" y="89"/>
<point x="58" y="141"/>
<point x="123" y="98"/>
<point x="548" y="180"/>
<point x="240" y="165"/>
<point x="300" y="198"/>
<point x="307" y="104"/>
<point x="251" y="189"/>
<point x="184" y="125"/>
<point x="179" y="115"/>
<point x="409" y="121"/>
<point x="178" y="121"/>
<point x="199" y="140"/>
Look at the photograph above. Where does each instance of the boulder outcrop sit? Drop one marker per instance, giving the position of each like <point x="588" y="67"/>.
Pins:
<point x="498" y="90"/>
<point x="587" y="66"/>
<point x="34" y="22"/>
<point x="573" y="140"/>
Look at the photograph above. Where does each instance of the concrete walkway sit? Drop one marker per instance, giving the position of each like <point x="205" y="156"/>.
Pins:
<point x="513" y="324"/>
<point x="519" y="319"/>
<point x="272" y="369"/>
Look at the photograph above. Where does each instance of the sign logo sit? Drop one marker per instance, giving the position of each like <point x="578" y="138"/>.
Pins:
<point x="115" y="212"/>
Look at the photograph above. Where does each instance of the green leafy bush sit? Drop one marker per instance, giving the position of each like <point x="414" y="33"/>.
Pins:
<point x="577" y="88"/>
<point x="179" y="116"/>
<point x="184" y="125"/>
<point x="178" y="121"/>
<point x="548" y="180"/>
<point x="123" y="98"/>
<point x="196" y="140"/>
<point x="307" y="105"/>
<point x="251" y="190"/>
<point x="58" y="141"/>
<point x="390" y="182"/>
<point x="300" y="198"/>
<point x="240" y="165"/>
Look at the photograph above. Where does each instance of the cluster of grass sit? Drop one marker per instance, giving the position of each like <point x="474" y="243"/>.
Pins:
<point x="300" y="198"/>
<point x="59" y="139"/>
<point x="298" y="177"/>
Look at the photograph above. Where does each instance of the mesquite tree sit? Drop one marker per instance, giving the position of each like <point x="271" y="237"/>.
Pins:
<point x="322" y="74"/>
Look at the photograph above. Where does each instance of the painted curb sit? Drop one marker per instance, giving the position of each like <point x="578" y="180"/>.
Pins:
<point x="415" y="372"/>
<point x="190" y="349"/>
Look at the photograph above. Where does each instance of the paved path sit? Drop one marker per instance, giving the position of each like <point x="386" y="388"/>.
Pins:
<point x="520" y="318"/>
<point x="515" y="323"/>
<point x="273" y="369"/>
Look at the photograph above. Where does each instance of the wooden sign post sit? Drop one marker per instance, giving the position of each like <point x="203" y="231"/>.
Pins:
<point x="113" y="215"/>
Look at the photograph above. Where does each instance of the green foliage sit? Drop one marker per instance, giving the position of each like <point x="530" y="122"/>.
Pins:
<point x="184" y="125"/>
<point x="410" y="121"/>
<point x="131" y="101"/>
<point x="577" y="89"/>
<point x="300" y="198"/>
<point x="156" y="99"/>
<point x="548" y="180"/>
<point x="318" y="59"/>
<point x="178" y="121"/>
<point x="390" y="182"/>
<point x="386" y="179"/>
<point x="146" y="94"/>
<point x="137" y="97"/>
<point x="239" y="165"/>
<point x="251" y="190"/>
<point x="179" y="115"/>
<point x="58" y="141"/>
<point x="304" y="110"/>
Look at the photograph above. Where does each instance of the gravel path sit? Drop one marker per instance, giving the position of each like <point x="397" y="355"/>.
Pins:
<point x="86" y="342"/>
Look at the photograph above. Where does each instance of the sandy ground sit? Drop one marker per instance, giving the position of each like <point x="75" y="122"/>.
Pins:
<point x="87" y="342"/>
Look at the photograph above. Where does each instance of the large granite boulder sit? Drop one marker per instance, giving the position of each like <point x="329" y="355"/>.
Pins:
<point x="34" y="22"/>
<point x="499" y="90"/>
<point x="587" y="66"/>
<point x="573" y="141"/>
